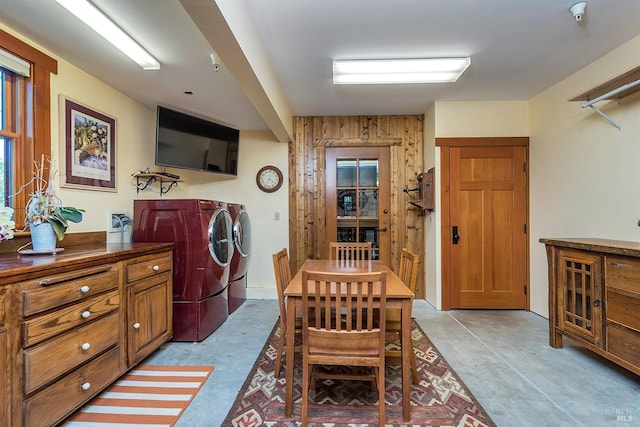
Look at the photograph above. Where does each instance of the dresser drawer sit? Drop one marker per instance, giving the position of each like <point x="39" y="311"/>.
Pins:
<point x="624" y="343"/>
<point x="148" y="266"/>
<point x="54" y="291"/>
<point x="623" y="273"/>
<point x="624" y="308"/>
<point x="46" y="326"/>
<point x="47" y="361"/>
<point x="53" y="403"/>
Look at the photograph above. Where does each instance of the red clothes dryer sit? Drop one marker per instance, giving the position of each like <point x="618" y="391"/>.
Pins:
<point x="201" y="231"/>
<point x="240" y="258"/>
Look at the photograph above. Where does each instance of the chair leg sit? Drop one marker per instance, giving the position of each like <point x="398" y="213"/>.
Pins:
<point x="414" y="366"/>
<point x="306" y="372"/>
<point x="381" y="390"/>
<point x="279" y="352"/>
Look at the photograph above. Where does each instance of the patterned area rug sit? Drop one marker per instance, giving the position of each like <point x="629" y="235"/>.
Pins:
<point x="145" y="396"/>
<point x="440" y="399"/>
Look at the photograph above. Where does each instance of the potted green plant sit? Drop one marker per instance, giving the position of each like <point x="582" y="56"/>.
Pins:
<point x="44" y="207"/>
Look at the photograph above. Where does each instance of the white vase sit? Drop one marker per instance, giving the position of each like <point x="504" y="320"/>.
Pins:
<point x="43" y="238"/>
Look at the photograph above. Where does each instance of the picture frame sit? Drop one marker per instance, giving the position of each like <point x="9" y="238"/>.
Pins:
<point x="88" y="147"/>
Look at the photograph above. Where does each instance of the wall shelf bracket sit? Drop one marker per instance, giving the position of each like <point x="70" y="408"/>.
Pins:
<point x="144" y="180"/>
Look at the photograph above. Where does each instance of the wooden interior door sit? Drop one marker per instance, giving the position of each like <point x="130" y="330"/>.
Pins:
<point x="487" y="227"/>
<point x="357" y="198"/>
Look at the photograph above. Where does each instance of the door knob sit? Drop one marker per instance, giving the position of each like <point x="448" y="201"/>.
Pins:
<point x="381" y="228"/>
<point x="455" y="237"/>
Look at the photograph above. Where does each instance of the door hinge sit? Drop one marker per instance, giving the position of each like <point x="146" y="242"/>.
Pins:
<point x="524" y="167"/>
<point x="525" y="289"/>
<point x="525" y="229"/>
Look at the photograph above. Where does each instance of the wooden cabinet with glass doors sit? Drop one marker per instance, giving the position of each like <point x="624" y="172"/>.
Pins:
<point x="594" y="297"/>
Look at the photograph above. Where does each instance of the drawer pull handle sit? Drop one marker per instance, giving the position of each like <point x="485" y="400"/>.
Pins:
<point x="86" y="386"/>
<point x="136" y="325"/>
<point x="86" y="346"/>
<point x="86" y="314"/>
<point x="156" y="267"/>
<point x="84" y="289"/>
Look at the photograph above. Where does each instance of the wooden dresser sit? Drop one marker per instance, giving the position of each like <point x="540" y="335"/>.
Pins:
<point x="74" y="322"/>
<point x="594" y="297"/>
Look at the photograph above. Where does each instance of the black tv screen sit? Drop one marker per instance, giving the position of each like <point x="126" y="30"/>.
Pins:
<point x="188" y="142"/>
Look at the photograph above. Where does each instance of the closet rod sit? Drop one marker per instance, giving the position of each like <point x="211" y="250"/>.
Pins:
<point x="610" y="93"/>
<point x="606" y="96"/>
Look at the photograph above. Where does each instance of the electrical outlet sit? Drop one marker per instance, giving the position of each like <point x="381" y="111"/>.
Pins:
<point x="117" y="218"/>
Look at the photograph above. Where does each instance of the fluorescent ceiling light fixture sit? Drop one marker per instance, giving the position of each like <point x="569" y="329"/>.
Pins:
<point x="101" y="24"/>
<point x="391" y="71"/>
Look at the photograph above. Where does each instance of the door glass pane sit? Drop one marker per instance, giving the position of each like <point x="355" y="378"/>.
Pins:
<point x="347" y="203"/>
<point x="346" y="173"/>
<point x="347" y="231"/>
<point x="368" y="170"/>
<point x="368" y="232"/>
<point x="368" y="202"/>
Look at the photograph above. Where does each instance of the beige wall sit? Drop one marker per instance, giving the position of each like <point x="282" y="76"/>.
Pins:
<point x="585" y="173"/>
<point x="481" y="118"/>
<point x="135" y="151"/>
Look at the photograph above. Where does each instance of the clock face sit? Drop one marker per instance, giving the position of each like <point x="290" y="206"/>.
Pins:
<point x="269" y="179"/>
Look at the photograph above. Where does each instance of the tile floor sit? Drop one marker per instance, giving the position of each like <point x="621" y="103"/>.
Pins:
<point x="502" y="356"/>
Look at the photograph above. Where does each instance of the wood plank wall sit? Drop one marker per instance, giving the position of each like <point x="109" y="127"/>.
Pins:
<point x="403" y="134"/>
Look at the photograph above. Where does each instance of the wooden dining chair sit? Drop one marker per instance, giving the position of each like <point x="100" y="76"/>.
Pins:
<point x="282" y="270"/>
<point x="350" y="250"/>
<point x="408" y="273"/>
<point x="338" y="329"/>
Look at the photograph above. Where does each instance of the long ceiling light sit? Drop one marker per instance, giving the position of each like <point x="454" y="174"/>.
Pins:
<point x="102" y="25"/>
<point x="392" y="71"/>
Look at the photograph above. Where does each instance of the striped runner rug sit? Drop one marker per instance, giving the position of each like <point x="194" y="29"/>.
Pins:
<point x="145" y="396"/>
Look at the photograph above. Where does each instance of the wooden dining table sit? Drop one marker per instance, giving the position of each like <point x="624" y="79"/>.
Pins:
<point x="398" y="296"/>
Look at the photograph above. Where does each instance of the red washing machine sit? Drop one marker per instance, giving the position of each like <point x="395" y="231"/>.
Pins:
<point x="240" y="258"/>
<point x="201" y="231"/>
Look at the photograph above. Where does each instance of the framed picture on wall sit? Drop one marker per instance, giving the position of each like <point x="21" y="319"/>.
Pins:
<point x="88" y="147"/>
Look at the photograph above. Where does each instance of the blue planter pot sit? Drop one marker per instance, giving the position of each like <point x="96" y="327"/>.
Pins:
<point x="43" y="238"/>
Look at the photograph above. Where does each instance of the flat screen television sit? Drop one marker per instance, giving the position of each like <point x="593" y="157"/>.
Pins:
<point x="188" y="142"/>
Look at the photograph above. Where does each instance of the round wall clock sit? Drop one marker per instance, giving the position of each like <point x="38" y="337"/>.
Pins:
<point x="269" y="179"/>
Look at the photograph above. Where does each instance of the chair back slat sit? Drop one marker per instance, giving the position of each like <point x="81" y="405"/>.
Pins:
<point x="350" y="250"/>
<point x="282" y="271"/>
<point x="408" y="269"/>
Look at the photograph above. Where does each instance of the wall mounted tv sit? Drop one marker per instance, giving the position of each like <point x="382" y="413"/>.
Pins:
<point x="188" y="142"/>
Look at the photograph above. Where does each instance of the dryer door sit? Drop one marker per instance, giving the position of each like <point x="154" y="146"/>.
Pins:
<point x="242" y="234"/>
<point x="221" y="237"/>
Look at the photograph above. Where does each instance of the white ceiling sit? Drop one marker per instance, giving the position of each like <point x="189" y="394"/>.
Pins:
<point x="518" y="48"/>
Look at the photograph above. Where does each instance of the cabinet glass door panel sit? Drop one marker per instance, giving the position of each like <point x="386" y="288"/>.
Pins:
<point x="581" y="309"/>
